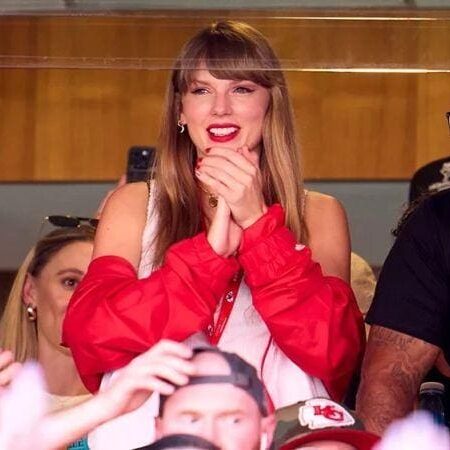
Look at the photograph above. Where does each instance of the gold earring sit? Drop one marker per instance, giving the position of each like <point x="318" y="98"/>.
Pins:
<point x="181" y="125"/>
<point x="31" y="313"/>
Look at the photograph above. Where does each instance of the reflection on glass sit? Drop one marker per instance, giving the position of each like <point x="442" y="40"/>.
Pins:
<point x="374" y="41"/>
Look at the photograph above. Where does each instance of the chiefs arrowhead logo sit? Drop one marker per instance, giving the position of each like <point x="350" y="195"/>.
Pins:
<point x="323" y="413"/>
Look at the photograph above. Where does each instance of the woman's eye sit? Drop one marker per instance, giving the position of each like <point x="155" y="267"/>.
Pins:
<point x="70" y="283"/>
<point x="199" y="91"/>
<point x="243" y="90"/>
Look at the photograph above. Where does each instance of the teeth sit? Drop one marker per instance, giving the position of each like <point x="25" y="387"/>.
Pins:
<point x="222" y="131"/>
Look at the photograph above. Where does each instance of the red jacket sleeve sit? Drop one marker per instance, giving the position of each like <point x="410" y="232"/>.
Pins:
<point x="313" y="318"/>
<point x="113" y="316"/>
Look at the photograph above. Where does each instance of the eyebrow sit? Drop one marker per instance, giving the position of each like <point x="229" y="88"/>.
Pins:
<point x="70" y="270"/>
<point x="233" y="412"/>
<point x="199" y="80"/>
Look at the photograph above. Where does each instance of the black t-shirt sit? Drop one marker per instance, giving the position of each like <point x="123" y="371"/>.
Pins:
<point x="413" y="291"/>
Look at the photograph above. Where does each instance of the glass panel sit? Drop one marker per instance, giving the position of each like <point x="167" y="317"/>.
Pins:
<point x="82" y="81"/>
<point x="16" y="6"/>
<point x="369" y="88"/>
<point x="303" y="41"/>
<point x="129" y="5"/>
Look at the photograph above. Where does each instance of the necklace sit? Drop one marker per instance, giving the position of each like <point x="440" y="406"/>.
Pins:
<point x="212" y="198"/>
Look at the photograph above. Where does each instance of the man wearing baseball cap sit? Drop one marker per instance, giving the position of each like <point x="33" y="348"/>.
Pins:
<point x="224" y="402"/>
<point x="181" y="442"/>
<point x="320" y="423"/>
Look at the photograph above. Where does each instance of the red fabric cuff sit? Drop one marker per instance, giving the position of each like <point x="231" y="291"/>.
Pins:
<point x="206" y="254"/>
<point x="214" y="270"/>
<point x="270" y="248"/>
<point x="264" y="226"/>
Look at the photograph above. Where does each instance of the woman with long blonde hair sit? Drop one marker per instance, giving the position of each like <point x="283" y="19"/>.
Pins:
<point x="30" y="328"/>
<point x="225" y="241"/>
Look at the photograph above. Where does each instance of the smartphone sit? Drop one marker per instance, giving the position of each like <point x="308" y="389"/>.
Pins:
<point x="140" y="163"/>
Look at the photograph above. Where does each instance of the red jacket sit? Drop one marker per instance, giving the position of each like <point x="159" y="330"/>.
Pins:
<point x="113" y="316"/>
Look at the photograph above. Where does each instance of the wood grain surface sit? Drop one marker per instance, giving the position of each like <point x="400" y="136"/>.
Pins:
<point x="369" y="92"/>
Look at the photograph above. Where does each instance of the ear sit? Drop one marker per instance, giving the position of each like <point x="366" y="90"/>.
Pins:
<point x="268" y="428"/>
<point x="182" y="118"/>
<point x="29" y="291"/>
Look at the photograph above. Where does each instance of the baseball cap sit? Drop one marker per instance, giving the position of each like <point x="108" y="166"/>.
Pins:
<point x="242" y="375"/>
<point x="430" y="178"/>
<point x="319" y="419"/>
<point x="181" y="441"/>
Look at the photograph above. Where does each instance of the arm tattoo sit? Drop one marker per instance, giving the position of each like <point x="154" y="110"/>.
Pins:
<point x="393" y="368"/>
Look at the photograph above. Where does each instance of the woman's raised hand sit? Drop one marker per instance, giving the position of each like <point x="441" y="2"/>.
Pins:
<point x="224" y="235"/>
<point x="235" y="176"/>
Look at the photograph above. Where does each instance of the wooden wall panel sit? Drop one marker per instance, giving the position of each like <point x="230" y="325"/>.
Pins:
<point x="74" y="125"/>
<point x="356" y="126"/>
<point x="74" y="95"/>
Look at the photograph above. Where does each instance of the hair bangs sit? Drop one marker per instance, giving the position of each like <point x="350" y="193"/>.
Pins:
<point x="226" y="58"/>
<point x="226" y="69"/>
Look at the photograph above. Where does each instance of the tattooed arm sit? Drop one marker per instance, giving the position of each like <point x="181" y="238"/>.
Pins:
<point x="393" y="368"/>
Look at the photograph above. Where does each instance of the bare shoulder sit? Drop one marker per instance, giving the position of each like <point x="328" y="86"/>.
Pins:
<point x="329" y="239"/>
<point x="320" y="206"/>
<point x="129" y="195"/>
<point x="122" y="223"/>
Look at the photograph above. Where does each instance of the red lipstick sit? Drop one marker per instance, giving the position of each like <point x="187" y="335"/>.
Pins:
<point x="223" y="132"/>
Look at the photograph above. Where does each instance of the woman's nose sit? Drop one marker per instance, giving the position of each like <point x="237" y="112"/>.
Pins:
<point x="221" y="105"/>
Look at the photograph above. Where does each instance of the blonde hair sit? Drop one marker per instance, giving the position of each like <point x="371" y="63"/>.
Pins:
<point x="229" y="50"/>
<point x="17" y="332"/>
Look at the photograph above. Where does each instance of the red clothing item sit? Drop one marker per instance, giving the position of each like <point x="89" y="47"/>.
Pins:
<point x="314" y="319"/>
<point x="113" y="316"/>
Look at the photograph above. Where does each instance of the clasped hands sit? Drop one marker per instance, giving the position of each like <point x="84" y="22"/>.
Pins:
<point x="235" y="177"/>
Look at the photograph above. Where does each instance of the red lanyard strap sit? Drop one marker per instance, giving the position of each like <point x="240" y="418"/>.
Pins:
<point x="226" y="306"/>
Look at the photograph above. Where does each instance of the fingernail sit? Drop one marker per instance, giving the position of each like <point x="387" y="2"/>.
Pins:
<point x="198" y="174"/>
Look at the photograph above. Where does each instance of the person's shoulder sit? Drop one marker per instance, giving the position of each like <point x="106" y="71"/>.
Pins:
<point x="126" y="203"/>
<point x="122" y="222"/>
<point x="129" y="196"/>
<point x="328" y="236"/>
<point x="320" y="207"/>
